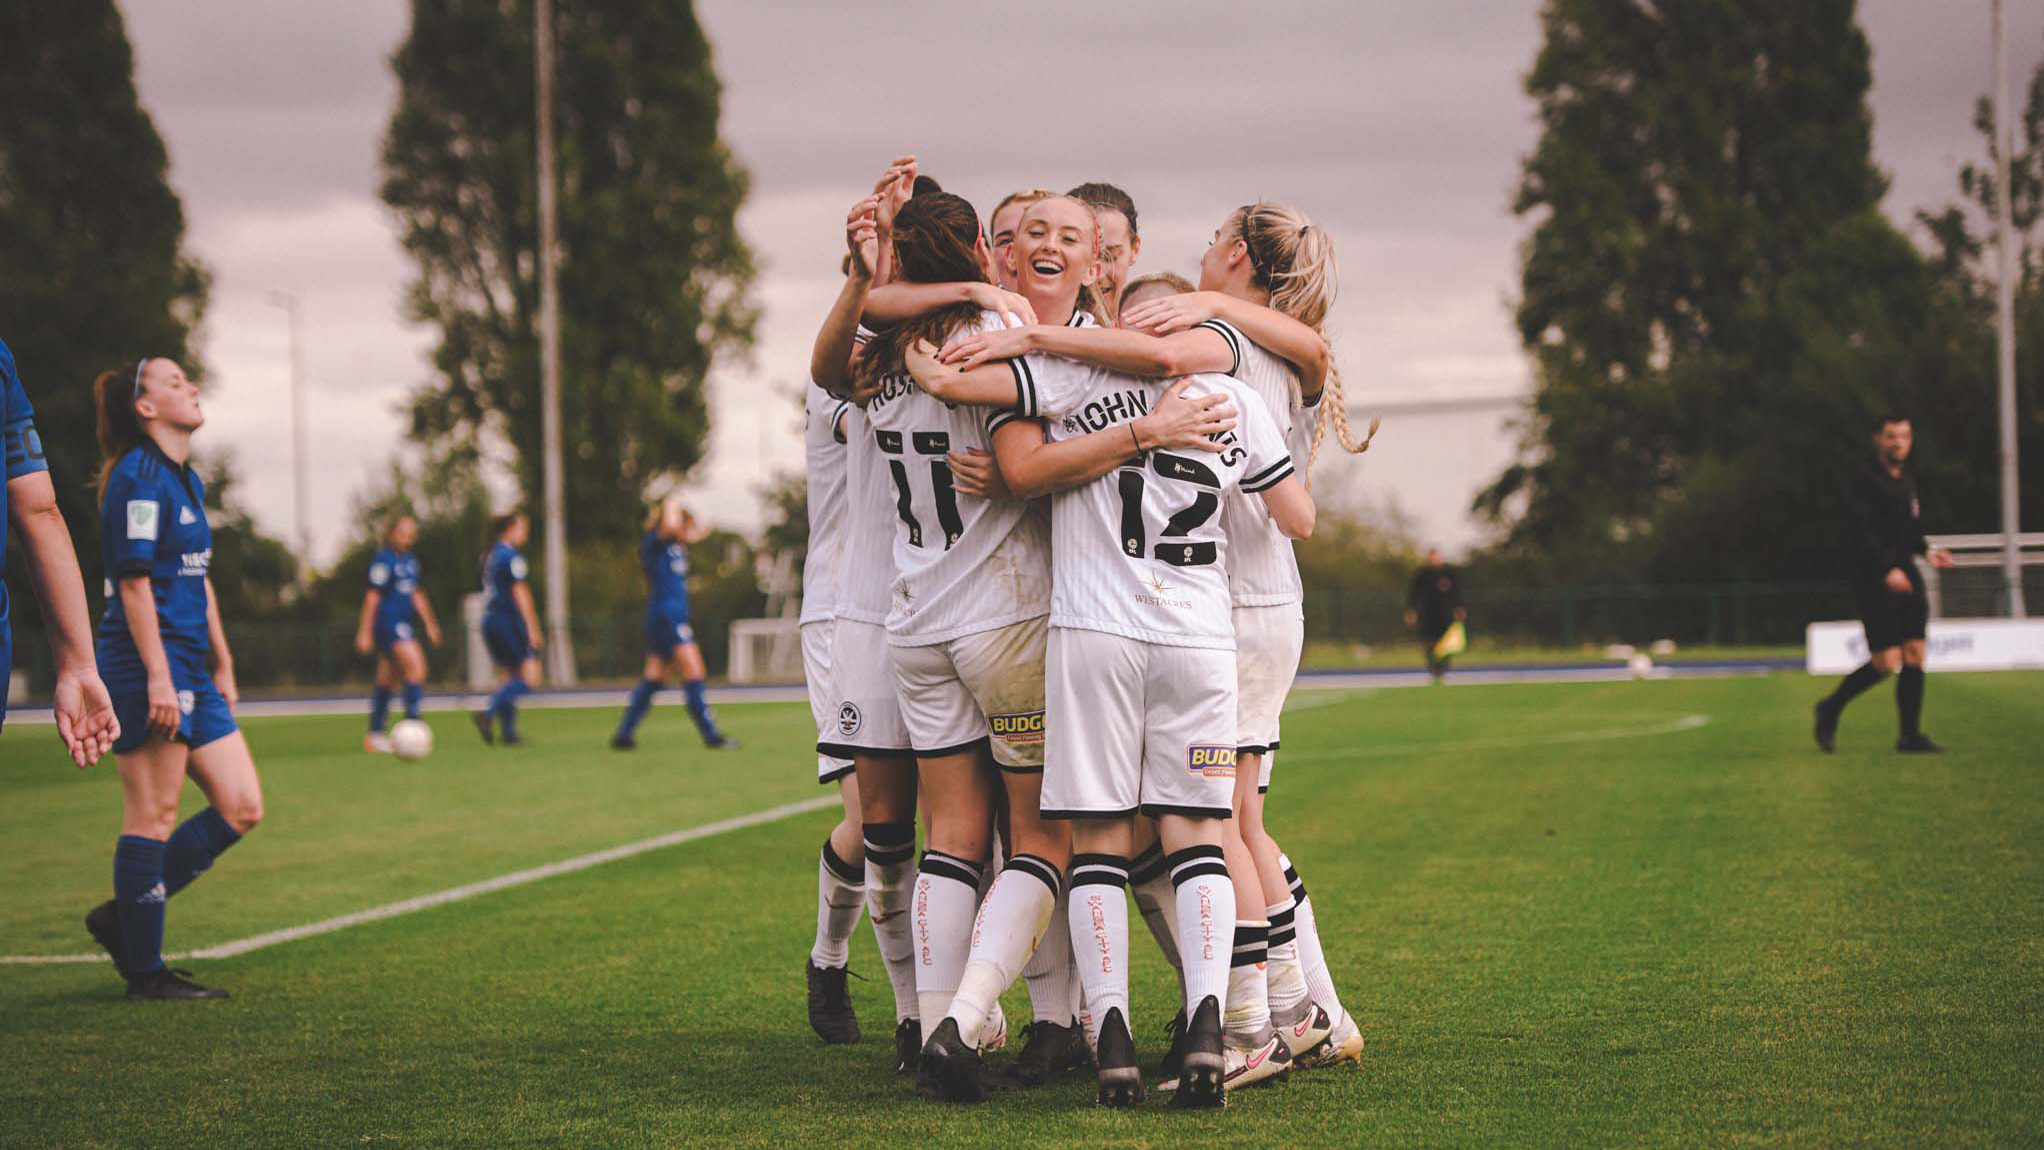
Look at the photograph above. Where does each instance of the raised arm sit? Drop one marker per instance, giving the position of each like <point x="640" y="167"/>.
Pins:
<point x="830" y="360"/>
<point x="1032" y="467"/>
<point x="1129" y="352"/>
<point x="85" y="713"/>
<point x="892" y="303"/>
<point x="1285" y="337"/>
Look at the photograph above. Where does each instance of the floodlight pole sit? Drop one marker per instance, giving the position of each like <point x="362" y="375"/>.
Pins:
<point x="2005" y="324"/>
<point x="300" y="520"/>
<point x="560" y="655"/>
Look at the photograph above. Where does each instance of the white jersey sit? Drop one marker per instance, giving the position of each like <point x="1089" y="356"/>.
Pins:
<point x="962" y="564"/>
<point x="823" y="446"/>
<point x="1140" y="552"/>
<point x="1262" y="569"/>
<point x="866" y="560"/>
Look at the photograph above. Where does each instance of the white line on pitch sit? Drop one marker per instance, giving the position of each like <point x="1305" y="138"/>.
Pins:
<point x="1685" y="723"/>
<point x="456" y="894"/>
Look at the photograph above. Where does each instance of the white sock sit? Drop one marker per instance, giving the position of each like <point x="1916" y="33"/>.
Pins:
<point x="840" y="896"/>
<point x="1098" y="914"/>
<point x="1151" y="884"/>
<point x="1206" y="923"/>
<point x="1004" y="937"/>
<point x="1053" y="979"/>
<point x="1247" y="1020"/>
<point x="1288" y="998"/>
<point x="946" y="896"/>
<point x="889" y="882"/>
<point x="1313" y="963"/>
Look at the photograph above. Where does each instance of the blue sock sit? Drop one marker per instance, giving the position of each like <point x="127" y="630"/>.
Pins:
<point x="138" y="901"/>
<point x="699" y="710"/>
<point x="505" y="705"/>
<point x="635" y="710"/>
<point x="193" y="847"/>
<point x="414" y="695"/>
<point x="379" y="708"/>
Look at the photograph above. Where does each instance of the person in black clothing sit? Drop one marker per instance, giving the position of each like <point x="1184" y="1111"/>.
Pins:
<point x="1432" y="604"/>
<point x="1885" y="537"/>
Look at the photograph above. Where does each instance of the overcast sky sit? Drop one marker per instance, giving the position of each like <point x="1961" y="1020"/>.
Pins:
<point x="1397" y="127"/>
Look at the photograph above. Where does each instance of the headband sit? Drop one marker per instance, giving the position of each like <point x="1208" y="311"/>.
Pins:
<point x="139" y="365"/>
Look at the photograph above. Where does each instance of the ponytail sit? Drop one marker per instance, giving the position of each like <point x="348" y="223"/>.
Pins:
<point x="119" y="429"/>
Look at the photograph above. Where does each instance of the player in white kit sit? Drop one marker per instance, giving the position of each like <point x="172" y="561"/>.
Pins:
<point x="1260" y="1044"/>
<point x="1141" y="678"/>
<point x="1268" y="255"/>
<point x="863" y="722"/>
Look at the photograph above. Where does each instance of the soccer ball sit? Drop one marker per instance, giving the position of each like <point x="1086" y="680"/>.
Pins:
<point x="411" y="739"/>
<point x="1641" y="665"/>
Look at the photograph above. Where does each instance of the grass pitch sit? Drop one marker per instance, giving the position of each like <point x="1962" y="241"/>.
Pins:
<point x="1564" y="915"/>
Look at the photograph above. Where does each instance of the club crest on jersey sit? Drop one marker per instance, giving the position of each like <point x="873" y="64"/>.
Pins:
<point x="849" y="720"/>
<point x="1021" y="727"/>
<point x="1210" y="761"/>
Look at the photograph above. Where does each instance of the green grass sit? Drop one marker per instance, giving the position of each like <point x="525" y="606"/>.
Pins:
<point x="1328" y="655"/>
<point x="1561" y="917"/>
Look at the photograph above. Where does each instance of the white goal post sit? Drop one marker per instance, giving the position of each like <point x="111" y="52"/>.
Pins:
<point x="765" y="651"/>
<point x="1972" y="589"/>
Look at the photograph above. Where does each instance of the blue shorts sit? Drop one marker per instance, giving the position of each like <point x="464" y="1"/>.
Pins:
<point x="202" y="713"/>
<point x="505" y="636"/>
<point x="666" y="629"/>
<point x="390" y="634"/>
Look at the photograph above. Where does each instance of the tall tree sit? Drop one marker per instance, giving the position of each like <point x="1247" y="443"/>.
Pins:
<point x="93" y="273"/>
<point x="1710" y="295"/>
<point x="653" y="272"/>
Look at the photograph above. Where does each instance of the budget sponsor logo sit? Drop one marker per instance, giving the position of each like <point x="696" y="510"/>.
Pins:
<point x="1020" y="727"/>
<point x="1210" y="760"/>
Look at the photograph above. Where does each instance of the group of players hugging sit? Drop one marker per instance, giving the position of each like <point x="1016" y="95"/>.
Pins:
<point x="1051" y="604"/>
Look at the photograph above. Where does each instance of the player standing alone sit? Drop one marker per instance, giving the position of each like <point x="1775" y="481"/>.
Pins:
<point x="162" y="624"/>
<point x="670" y="641"/>
<point x="1885" y="536"/>
<point x="1432" y="604"/>
<point x="510" y="627"/>
<point x="386" y="628"/>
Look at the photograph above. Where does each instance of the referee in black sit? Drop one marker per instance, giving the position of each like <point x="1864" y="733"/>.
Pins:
<point x="1885" y="536"/>
<point x="1432" y="604"/>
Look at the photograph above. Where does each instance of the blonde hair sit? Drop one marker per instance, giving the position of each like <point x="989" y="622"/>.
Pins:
<point x="1178" y="284"/>
<point x="1090" y="300"/>
<point x="1025" y="197"/>
<point x="1294" y="261"/>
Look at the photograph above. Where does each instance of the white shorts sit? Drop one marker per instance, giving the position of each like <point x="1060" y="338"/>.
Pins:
<point x="1137" y="726"/>
<point x="1268" y="641"/>
<point x="987" y="685"/>
<point x="865" y="719"/>
<point x="822" y="702"/>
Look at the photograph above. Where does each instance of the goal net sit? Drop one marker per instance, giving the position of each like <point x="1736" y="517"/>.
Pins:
<point x="1973" y="588"/>
<point x="765" y="651"/>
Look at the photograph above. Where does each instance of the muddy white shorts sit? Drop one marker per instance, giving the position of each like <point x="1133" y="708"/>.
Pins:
<point x="1136" y="726"/>
<point x="822" y="699"/>
<point x="865" y="712"/>
<point x="986" y="685"/>
<point x="1268" y="641"/>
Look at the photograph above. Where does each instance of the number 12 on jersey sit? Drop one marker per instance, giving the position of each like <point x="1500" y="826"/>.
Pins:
<point x="1174" y="545"/>
<point x="945" y="498"/>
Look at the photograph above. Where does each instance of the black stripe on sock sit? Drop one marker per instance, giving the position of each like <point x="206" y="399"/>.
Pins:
<point x="1297" y="884"/>
<point x="1148" y="865"/>
<point x="889" y="843"/>
<point x="1099" y="870"/>
<point x="1194" y="861"/>
<point x="937" y="864"/>
<point x="1283" y="936"/>
<point x="845" y="871"/>
<point x="1192" y="870"/>
<point x="1250" y="957"/>
<point x="1037" y="868"/>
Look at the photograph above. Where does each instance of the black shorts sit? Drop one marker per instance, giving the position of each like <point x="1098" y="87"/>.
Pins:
<point x="1892" y="619"/>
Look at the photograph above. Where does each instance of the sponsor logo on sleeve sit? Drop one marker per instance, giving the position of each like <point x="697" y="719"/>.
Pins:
<point x="379" y="574"/>
<point x="1210" y="761"/>
<point x="142" y="519"/>
<point x="1021" y="727"/>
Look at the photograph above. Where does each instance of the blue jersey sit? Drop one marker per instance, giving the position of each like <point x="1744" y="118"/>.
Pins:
<point x="503" y="569"/>
<point x="666" y="566"/>
<point x="152" y="521"/>
<point x="394" y="576"/>
<point x="24" y="456"/>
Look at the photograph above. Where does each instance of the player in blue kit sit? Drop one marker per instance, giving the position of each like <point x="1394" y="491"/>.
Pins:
<point x="670" y="642"/>
<point x="160" y="630"/>
<point x="386" y="628"/>
<point x="85" y="716"/>
<point x="510" y="627"/>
